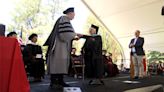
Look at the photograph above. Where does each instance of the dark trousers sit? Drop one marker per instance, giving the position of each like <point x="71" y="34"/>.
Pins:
<point x="57" y="79"/>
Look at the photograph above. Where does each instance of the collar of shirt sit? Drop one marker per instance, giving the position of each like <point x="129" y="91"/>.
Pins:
<point x="32" y="43"/>
<point x="135" y="40"/>
<point x="94" y="35"/>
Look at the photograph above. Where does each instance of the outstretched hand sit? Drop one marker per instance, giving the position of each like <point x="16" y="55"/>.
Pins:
<point x="80" y="35"/>
<point x="76" y="38"/>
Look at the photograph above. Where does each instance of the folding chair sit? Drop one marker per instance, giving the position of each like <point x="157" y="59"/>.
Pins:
<point x="78" y="64"/>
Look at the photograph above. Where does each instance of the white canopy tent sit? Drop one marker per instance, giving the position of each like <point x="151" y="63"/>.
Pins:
<point x="123" y="17"/>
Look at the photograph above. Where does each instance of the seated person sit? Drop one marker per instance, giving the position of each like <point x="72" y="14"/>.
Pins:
<point x="110" y="68"/>
<point x="159" y="68"/>
<point x="73" y="55"/>
<point x="75" y="60"/>
<point x="12" y="34"/>
<point x="33" y="58"/>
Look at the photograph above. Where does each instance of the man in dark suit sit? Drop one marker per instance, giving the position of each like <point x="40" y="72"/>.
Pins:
<point x="137" y="54"/>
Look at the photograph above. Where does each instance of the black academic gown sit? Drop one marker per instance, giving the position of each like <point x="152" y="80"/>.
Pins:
<point x="34" y="65"/>
<point x="92" y="51"/>
<point x="50" y="41"/>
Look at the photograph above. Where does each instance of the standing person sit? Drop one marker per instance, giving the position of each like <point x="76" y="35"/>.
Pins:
<point x="33" y="58"/>
<point x="59" y="48"/>
<point x="92" y="51"/>
<point x="137" y="54"/>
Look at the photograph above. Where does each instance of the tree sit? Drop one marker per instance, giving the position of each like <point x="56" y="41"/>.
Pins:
<point x="154" y="56"/>
<point x="35" y="16"/>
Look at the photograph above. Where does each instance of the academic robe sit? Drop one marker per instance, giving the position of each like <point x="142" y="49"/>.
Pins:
<point x="59" y="46"/>
<point x="92" y="50"/>
<point x="33" y="59"/>
<point x="110" y="67"/>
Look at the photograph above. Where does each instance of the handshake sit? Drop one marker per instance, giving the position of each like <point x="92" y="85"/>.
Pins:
<point x="78" y="36"/>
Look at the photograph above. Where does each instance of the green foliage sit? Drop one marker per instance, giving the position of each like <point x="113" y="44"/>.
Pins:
<point x="35" y="16"/>
<point x="38" y="16"/>
<point x="25" y="11"/>
<point x="155" y="56"/>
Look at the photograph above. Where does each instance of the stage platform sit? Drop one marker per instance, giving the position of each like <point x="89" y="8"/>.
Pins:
<point x="120" y="83"/>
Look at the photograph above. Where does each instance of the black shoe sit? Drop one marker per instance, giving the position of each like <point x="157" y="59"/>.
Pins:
<point x="37" y="80"/>
<point x="136" y="77"/>
<point x="65" y="85"/>
<point x="99" y="82"/>
<point x="102" y="82"/>
<point x="56" y="86"/>
<point x="90" y="82"/>
<point x="62" y="83"/>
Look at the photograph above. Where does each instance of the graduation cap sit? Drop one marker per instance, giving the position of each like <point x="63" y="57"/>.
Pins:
<point x="71" y="9"/>
<point x="95" y="27"/>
